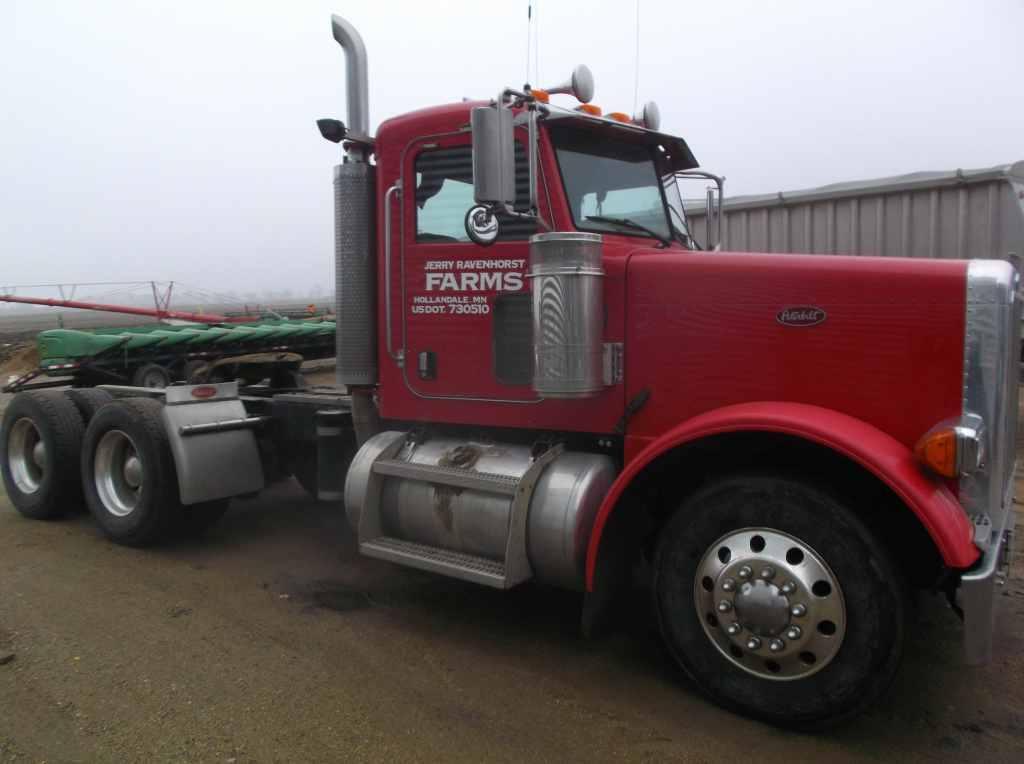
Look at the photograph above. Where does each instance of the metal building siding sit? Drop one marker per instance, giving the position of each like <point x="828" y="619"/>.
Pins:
<point x="961" y="214"/>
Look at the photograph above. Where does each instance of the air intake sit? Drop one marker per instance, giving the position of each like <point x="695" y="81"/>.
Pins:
<point x="568" y="313"/>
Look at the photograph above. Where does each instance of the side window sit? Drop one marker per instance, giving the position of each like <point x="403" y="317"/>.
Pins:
<point x="444" y="193"/>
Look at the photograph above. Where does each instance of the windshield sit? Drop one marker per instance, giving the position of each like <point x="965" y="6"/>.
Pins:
<point x="617" y="182"/>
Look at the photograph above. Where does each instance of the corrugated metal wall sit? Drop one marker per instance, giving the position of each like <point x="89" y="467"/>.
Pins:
<point x="962" y="214"/>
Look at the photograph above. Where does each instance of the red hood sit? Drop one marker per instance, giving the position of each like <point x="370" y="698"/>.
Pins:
<point x="879" y="339"/>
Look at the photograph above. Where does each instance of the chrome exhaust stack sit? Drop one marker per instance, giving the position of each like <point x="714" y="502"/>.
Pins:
<point x="354" y="235"/>
<point x="357" y="82"/>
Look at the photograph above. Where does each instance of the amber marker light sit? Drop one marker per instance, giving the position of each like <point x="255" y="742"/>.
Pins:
<point x="541" y="95"/>
<point x="589" y="108"/>
<point x="952" y="449"/>
<point x="618" y="116"/>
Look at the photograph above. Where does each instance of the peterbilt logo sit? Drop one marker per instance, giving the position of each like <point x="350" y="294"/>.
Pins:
<point x="801" y="315"/>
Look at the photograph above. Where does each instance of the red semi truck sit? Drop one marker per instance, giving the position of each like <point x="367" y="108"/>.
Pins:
<point x="542" y="377"/>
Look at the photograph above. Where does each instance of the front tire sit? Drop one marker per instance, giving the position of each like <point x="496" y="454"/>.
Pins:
<point x="40" y="442"/>
<point x="778" y="601"/>
<point x="128" y="473"/>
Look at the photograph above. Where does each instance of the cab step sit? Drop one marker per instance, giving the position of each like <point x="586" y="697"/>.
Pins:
<point x="450" y="476"/>
<point x="480" y="570"/>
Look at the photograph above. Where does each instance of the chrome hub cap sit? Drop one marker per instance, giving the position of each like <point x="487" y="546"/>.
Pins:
<point x="762" y="608"/>
<point x="133" y="472"/>
<point x="770" y="604"/>
<point x="26" y="456"/>
<point x="117" y="473"/>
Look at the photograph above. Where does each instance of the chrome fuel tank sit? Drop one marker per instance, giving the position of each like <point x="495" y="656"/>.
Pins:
<point x="561" y="511"/>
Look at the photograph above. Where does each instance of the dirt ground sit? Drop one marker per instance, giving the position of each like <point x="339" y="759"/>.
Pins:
<point x="273" y="640"/>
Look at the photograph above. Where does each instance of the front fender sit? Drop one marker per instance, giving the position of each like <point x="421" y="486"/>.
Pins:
<point x="881" y="454"/>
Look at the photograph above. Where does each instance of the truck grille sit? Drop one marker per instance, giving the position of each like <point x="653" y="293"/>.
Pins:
<point x="991" y="351"/>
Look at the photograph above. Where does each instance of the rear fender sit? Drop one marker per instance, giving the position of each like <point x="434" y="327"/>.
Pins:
<point x="217" y="464"/>
<point x="891" y="461"/>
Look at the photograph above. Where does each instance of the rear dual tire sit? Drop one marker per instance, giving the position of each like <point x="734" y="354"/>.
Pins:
<point x="129" y="477"/>
<point x="41" y="436"/>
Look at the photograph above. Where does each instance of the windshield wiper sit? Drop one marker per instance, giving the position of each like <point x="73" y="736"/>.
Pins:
<point x="630" y="224"/>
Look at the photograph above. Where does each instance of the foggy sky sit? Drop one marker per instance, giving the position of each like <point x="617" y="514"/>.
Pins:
<point x="176" y="140"/>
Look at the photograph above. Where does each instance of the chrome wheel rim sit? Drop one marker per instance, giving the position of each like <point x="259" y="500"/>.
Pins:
<point x="26" y="456"/>
<point x="117" y="473"/>
<point x="770" y="604"/>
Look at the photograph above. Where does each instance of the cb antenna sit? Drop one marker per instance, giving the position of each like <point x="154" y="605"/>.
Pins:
<point x="533" y="35"/>
<point x="636" y="63"/>
<point x="529" y="30"/>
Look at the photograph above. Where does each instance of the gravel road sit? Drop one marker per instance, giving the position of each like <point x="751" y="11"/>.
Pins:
<point x="272" y="640"/>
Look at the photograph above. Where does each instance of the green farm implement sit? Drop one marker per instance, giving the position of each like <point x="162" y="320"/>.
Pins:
<point x="157" y="355"/>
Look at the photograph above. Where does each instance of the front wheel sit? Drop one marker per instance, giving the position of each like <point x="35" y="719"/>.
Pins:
<point x="778" y="601"/>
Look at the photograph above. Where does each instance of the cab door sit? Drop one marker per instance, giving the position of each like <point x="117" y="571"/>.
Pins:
<point x="465" y="320"/>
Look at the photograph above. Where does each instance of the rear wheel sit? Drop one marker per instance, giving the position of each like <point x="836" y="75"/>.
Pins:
<point x="128" y="473"/>
<point x="89" y="400"/>
<point x="151" y="375"/>
<point x="41" y="441"/>
<point x="778" y="601"/>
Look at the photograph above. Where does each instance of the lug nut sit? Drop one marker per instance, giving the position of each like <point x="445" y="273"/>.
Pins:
<point x="776" y="645"/>
<point x="768" y="573"/>
<point x="745" y="572"/>
<point x="724" y="606"/>
<point x="729" y="585"/>
<point x="788" y="588"/>
<point x="733" y="629"/>
<point x="753" y="643"/>
<point x="793" y="632"/>
<point x="798" y="610"/>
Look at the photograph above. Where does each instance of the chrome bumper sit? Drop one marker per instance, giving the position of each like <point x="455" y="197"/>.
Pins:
<point x="978" y="590"/>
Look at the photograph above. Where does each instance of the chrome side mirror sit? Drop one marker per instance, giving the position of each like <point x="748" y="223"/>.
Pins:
<point x="494" y="161"/>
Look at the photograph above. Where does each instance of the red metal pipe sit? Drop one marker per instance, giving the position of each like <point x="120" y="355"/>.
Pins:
<point x="202" y="318"/>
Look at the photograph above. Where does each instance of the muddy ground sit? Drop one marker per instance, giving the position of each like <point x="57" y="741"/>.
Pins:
<point x="272" y="640"/>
